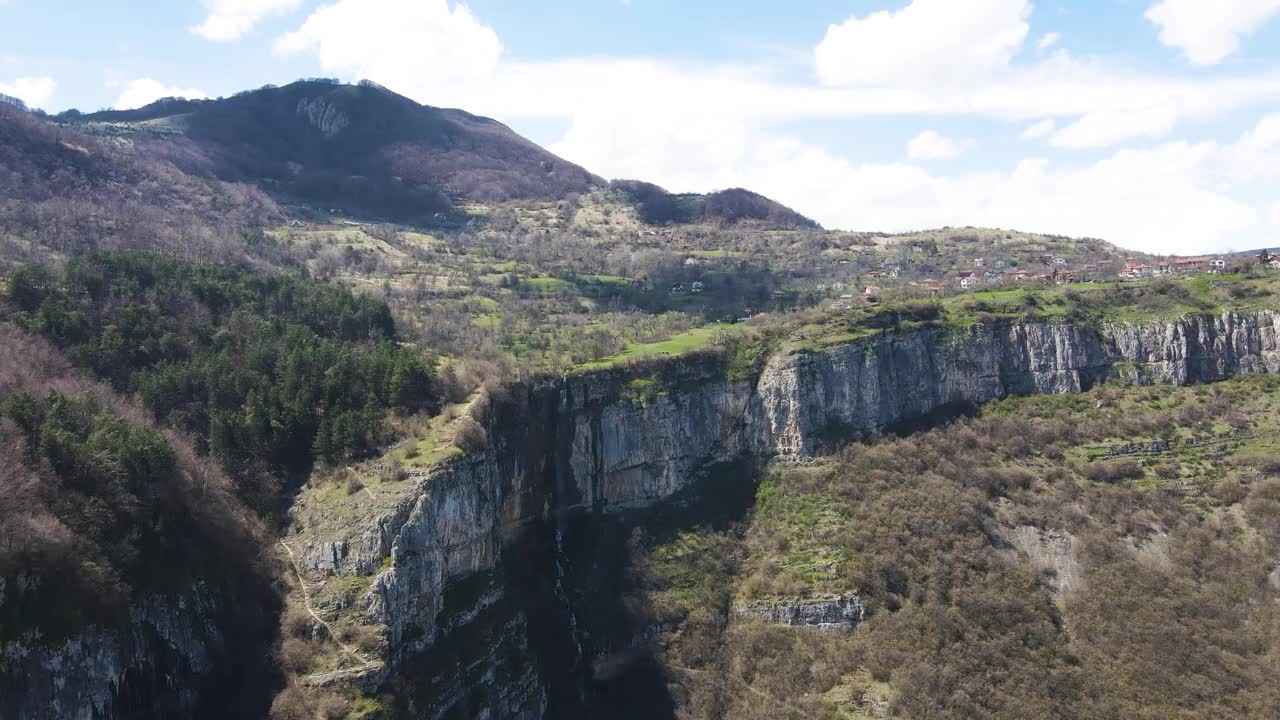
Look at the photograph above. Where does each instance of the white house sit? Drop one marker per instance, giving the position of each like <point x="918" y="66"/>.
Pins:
<point x="1219" y="265"/>
<point x="971" y="281"/>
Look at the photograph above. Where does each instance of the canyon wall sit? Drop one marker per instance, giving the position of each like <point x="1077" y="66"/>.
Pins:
<point x="591" y="444"/>
<point x="174" y="657"/>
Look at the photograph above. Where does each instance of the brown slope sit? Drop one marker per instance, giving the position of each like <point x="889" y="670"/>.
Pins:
<point x="359" y="148"/>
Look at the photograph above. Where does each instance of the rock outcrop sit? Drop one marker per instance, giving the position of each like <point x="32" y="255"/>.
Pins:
<point x="829" y="613"/>
<point x="582" y="445"/>
<point x="157" y="660"/>
<point x="873" y="383"/>
<point x="1054" y="554"/>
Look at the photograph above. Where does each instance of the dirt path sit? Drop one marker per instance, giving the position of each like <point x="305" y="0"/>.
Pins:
<point x="365" y="664"/>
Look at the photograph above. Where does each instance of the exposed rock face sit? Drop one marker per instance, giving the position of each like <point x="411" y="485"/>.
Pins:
<point x="458" y="542"/>
<point x="827" y="613"/>
<point x="582" y="446"/>
<point x="627" y="455"/>
<point x="157" y="660"/>
<point x="1055" y="553"/>
<point x="887" y="378"/>
<point x="324" y="115"/>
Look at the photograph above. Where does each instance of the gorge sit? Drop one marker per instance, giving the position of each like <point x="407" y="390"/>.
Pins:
<point x="510" y="553"/>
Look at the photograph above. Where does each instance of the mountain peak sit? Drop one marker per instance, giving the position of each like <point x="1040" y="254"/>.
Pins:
<point x="656" y="206"/>
<point x="361" y="148"/>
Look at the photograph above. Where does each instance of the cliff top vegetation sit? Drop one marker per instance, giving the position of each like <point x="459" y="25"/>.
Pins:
<point x="1108" y="554"/>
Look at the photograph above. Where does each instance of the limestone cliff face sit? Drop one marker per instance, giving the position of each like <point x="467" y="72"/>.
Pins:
<point x="152" y="667"/>
<point x="887" y="378"/>
<point x="825" y="613"/>
<point x="627" y="455"/>
<point x="586" y="444"/>
<point x="456" y="559"/>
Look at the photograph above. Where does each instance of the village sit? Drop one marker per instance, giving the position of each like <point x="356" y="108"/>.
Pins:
<point x="1053" y="270"/>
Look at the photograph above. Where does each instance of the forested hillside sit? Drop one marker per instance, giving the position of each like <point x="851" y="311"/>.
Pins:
<point x="65" y="192"/>
<point x="361" y="148"/>
<point x="318" y="402"/>
<point x="104" y="512"/>
<point x="1106" y="555"/>
<point x="268" y="372"/>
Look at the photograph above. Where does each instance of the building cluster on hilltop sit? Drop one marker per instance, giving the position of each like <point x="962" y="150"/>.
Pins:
<point x="1196" y="265"/>
<point x="1048" y="270"/>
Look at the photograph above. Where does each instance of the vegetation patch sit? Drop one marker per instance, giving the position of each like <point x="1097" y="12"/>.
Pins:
<point x="1158" y="504"/>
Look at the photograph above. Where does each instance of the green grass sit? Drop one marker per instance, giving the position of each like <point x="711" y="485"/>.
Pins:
<point x="546" y="285"/>
<point x="689" y="341"/>
<point x="802" y="524"/>
<point x="364" y="706"/>
<point x="435" y="445"/>
<point x="487" y="320"/>
<point x="604" y="279"/>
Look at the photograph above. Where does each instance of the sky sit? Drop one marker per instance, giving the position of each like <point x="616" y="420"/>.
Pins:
<point x="1154" y="124"/>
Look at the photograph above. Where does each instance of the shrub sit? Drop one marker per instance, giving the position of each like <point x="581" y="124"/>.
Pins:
<point x="363" y="637"/>
<point x="394" y="471"/>
<point x="291" y="704"/>
<point x="1229" y="490"/>
<point x="297" y="622"/>
<point x="1263" y="509"/>
<point x="298" y="654"/>
<point x="1263" y="462"/>
<point x="1112" y="472"/>
<point x="470" y="436"/>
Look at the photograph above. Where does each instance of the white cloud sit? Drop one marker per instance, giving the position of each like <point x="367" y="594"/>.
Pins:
<point x="1104" y="128"/>
<point x="36" y="92"/>
<point x="397" y="42"/>
<point x="693" y="127"/>
<point x="932" y="145"/>
<point x="1039" y="130"/>
<point x="145" y="91"/>
<point x="1257" y="154"/>
<point x="229" y="19"/>
<point x="1208" y="31"/>
<point x="927" y="43"/>
<point x="441" y="56"/>
<point x="1173" y="197"/>
<point x="1048" y="40"/>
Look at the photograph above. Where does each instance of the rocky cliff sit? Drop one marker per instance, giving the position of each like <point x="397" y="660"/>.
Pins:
<point x="870" y="384"/>
<point x="156" y="666"/>
<point x="826" y="613"/>
<point x="588" y="446"/>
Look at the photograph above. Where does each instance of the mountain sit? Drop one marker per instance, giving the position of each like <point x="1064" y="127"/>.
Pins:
<point x="66" y="191"/>
<point x="361" y="149"/>
<point x="579" y="449"/>
<point x="656" y="206"/>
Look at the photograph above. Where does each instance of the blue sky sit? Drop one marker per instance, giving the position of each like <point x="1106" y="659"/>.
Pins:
<point x="1151" y="123"/>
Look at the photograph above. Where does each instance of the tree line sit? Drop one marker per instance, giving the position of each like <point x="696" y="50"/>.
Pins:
<point x="269" y="372"/>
